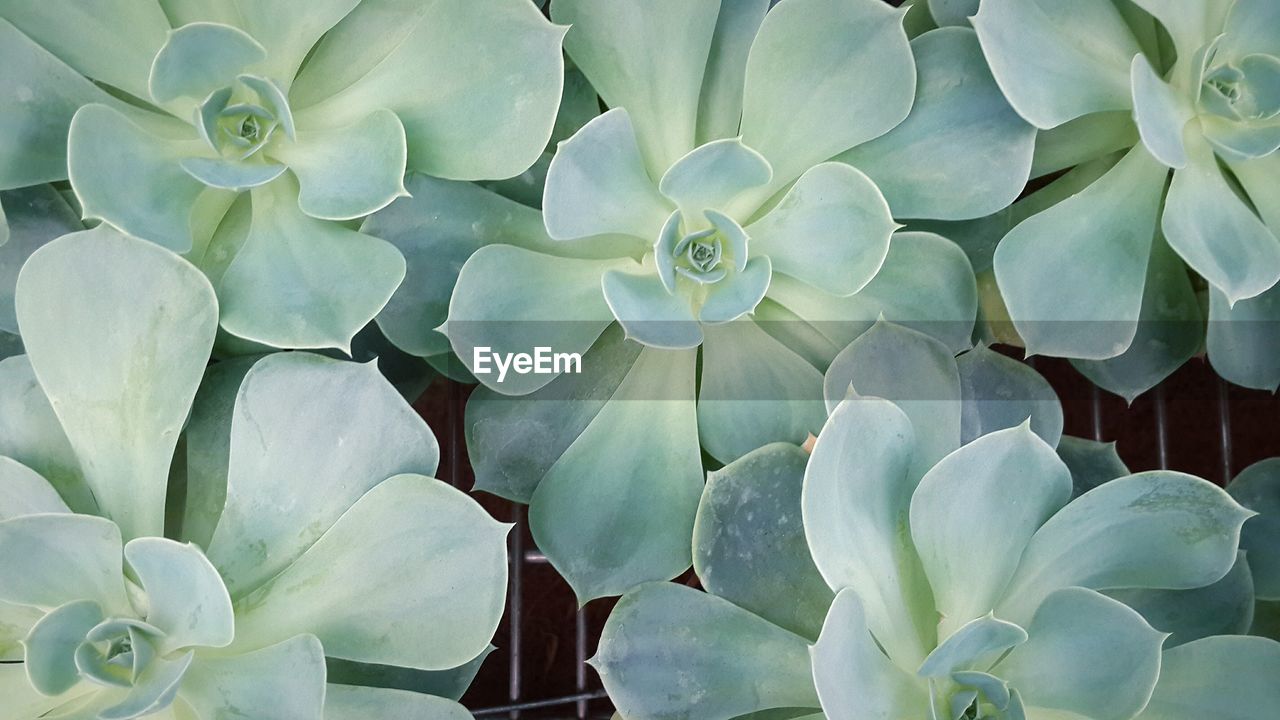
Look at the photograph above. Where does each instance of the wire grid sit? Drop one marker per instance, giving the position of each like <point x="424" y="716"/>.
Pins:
<point x="589" y="701"/>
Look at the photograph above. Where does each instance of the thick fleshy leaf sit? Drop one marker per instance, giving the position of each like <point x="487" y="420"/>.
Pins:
<point x="199" y="58"/>
<point x="1161" y="112"/>
<point x="998" y="392"/>
<point x="1224" y="677"/>
<point x="288" y="30"/>
<point x="118" y="331"/>
<point x="647" y="58"/>
<point x="1242" y="339"/>
<point x="737" y="295"/>
<point x="597" y="184"/>
<point x="34" y="215"/>
<point x="1191" y="23"/>
<point x="1216" y="233"/>
<point x="914" y="372"/>
<point x="1086" y="654"/>
<point x="831" y="230"/>
<point x="591" y="512"/>
<point x="1087" y="138"/>
<point x="649" y="313"/>
<point x="451" y="683"/>
<point x="60" y="558"/>
<point x="21" y="700"/>
<point x="40" y="95"/>
<point x="1170" y="330"/>
<point x="31" y="434"/>
<point x="372" y="609"/>
<point x="720" y="103"/>
<point x="1056" y="62"/>
<point x="153" y="689"/>
<point x="231" y="174"/>
<point x="87" y="36"/>
<point x="299" y="282"/>
<point x="309" y="437"/>
<point x="952" y="12"/>
<point x="1257" y="488"/>
<point x="24" y="492"/>
<point x="975" y="644"/>
<point x="52" y="642"/>
<point x="712" y="175"/>
<point x="476" y="83"/>
<point x="974" y="513"/>
<point x="1237" y="142"/>
<point x="346" y="702"/>
<point x="514" y="441"/>
<point x="157" y="203"/>
<point x="670" y="652"/>
<point x="856" y="500"/>
<point x="822" y="77"/>
<point x="1091" y="462"/>
<point x="348" y="172"/>
<point x="1155" y="529"/>
<point x="287" y="677"/>
<point x="1072" y="276"/>
<point x="755" y="390"/>
<point x="853" y="677"/>
<point x="1223" y="608"/>
<point x="748" y="541"/>
<point x="962" y="152"/>
<point x="511" y="300"/>
<point x="185" y="596"/>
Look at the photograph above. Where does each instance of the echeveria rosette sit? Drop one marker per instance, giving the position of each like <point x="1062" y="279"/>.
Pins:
<point x="730" y="214"/>
<point x="1096" y="268"/>
<point x="969" y="591"/>
<point x="251" y="132"/>
<point x="279" y="555"/>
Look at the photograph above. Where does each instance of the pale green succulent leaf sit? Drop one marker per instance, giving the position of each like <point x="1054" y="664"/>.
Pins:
<point x="476" y="83"/>
<point x="1191" y="23"/>
<point x="831" y="230"/>
<point x="648" y="312"/>
<point x="915" y="372"/>
<point x="35" y="215"/>
<point x="1156" y="529"/>
<point x="40" y="94"/>
<point x="52" y="643"/>
<point x="1072" y="276"/>
<point x="185" y="595"/>
<point x="1056" y="62"/>
<point x="712" y="175"/>
<point x="738" y="294"/>
<point x="64" y="558"/>
<point x="968" y="541"/>
<point x="451" y="683"/>
<point x="998" y="392"/>
<point x="597" y="184"/>
<point x="1083" y="139"/>
<point x="299" y="282"/>
<point x="89" y="36"/>
<point x="276" y="462"/>
<point x="1161" y="112"/>
<point x="371" y="609"/>
<point x="24" y="492"/>
<point x="118" y="331"/>
<point x="1225" y="677"/>
<point x="670" y="652"/>
<point x="22" y="701"/>
<point x="31" y="434"/>
<point x="231" y="174"/>
<point x="1091" y="462"/>
<point x="1217" y="234"/>
<point x="976" y="643"/>
<point x="1223" y="608"/>
<point x="754" y="390"/>
<point x="1085" y="654"/>
<point x="579" y="104"/>
<point x="507" y="298"/>
<point x="648" y="59"/>
<point x="349" y="172"/>
<point x="157" y="203"/>
<point x="962" y="152"/>
<point x="617" y="507"/>
<point x="347" y="702"/>
<point x="824" y="76"/>
<point x="749" y="545"/>
<point x="288" y="30"/>
<point x="952" y="12"/>
<point x="720" y="103"/>
<point x="199" y="58"/>
<point x="856" y="500"/>
<point x="1239" y="347"/>
<point x="154" y="689"/>
<point x="1257" y="488"/>
<point x="853" y="677"/>
<point x="1237" y="142"/>
<point x="287" y="677"/>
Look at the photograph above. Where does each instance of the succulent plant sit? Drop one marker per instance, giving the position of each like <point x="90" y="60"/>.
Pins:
<point x="877" y="579"/>
<point x="1167" y="115"/>
<point x="245" y="134"/>
<point x="706" y="245"/>
<point x="221" y="581"/>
